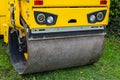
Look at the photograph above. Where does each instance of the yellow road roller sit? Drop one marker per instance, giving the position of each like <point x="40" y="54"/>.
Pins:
<point x="44" y="35"/>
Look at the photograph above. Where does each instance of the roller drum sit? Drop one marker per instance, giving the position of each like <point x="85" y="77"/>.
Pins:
<point x="57" y="53"/>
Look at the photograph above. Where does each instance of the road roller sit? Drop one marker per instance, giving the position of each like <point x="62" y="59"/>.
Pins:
<point x="44" y="35"/>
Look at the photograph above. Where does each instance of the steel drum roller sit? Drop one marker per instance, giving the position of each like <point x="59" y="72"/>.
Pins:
<point x="57" y="53"/>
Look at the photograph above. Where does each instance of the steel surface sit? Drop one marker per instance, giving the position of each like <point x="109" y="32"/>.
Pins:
<point x="51" y="54"/>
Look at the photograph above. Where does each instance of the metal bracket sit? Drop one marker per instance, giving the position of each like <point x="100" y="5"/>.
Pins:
<point x="12" y="19"/>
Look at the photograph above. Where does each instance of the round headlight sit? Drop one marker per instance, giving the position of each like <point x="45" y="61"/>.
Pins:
<point x="50" y="19"/>
<point x="41" y="18"/>
<point x="92" y="18"/>
<point x="100" y="16"/>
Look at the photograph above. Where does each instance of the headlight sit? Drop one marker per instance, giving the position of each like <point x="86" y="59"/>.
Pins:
<point x="92" y="18"/>
<point x="50" y="19"/>
<point x="100" y="16"/>
<point x="96" y="16"/>
<point x="44" y="18"/>
<point x="41" y="18"/>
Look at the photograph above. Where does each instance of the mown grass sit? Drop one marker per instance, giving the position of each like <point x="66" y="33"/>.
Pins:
<point x="107" y="68"/>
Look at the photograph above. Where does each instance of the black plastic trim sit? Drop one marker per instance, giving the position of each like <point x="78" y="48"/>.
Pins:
<point x="95" y="13"/>
<point x="46" y="15"/>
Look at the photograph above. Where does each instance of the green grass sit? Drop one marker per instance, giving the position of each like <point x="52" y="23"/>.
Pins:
<point x="107" y="68"/>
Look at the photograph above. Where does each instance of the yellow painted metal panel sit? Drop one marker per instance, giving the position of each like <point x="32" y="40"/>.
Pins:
<point x="64" y="12"/>
<point x="70" y="3"/>
<point x="2" y="22"/>
<point x="2" y="16"/>
<point x="64" y="15"/>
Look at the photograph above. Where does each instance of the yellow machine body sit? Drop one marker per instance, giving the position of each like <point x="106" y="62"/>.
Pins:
<point x="66" y="10"/>
<point x="69" y="18"/>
